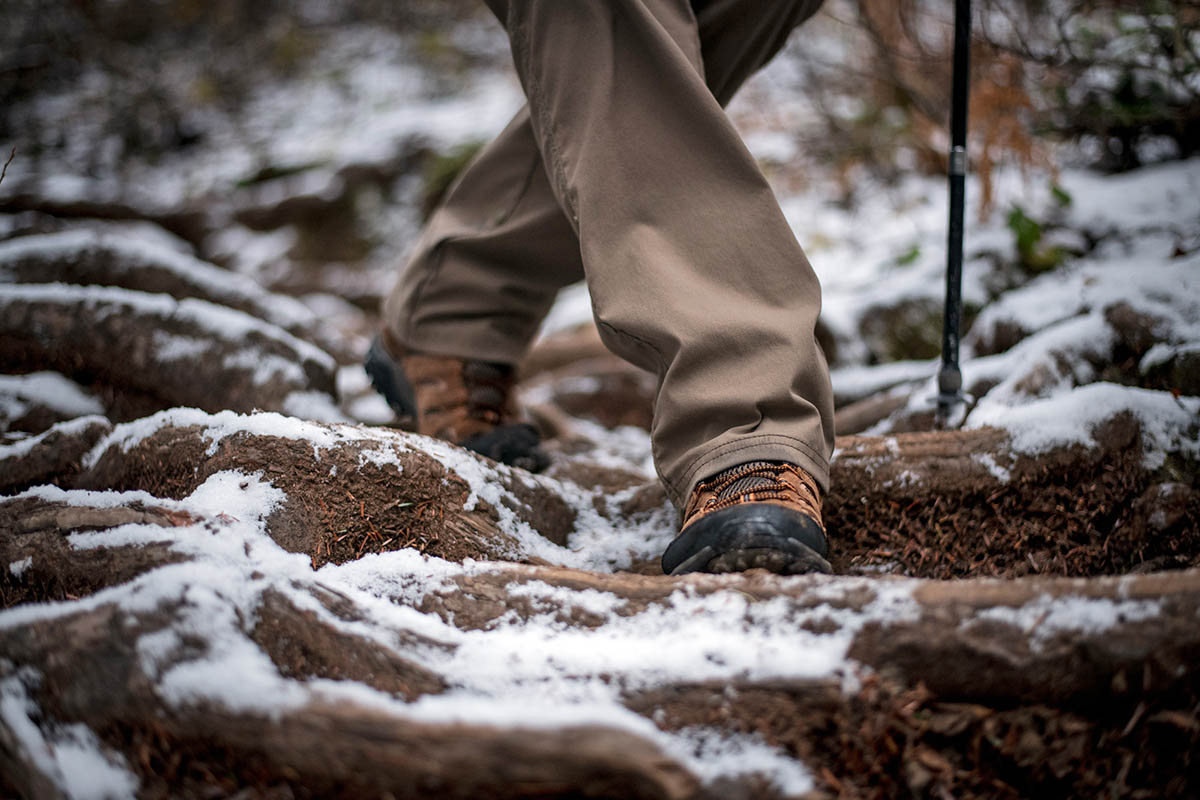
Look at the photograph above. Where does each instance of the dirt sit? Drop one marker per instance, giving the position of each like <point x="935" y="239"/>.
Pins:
<point x="89" y="572"/>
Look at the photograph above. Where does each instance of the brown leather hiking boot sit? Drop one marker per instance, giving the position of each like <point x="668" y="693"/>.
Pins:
<point x="463" y="401"/>
<point x="762" y="514"/>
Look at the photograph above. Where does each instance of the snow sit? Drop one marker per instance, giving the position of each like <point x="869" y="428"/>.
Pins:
<point x="626" y="447"/>
<point x="88" y="769"/>
<point x="536" y="670"/>
<point x="598" y="542"/>
<point x="549" y="598"/>
<point x="988" y="461"/>
<point x="1170" y="291"/>
<point x="169" y="347"/>
<point x="71" y="427"/>
<point x="215" y="321"/>
<point x="858" y="381"/>
<point x="47" y="389"/>
<point x="132" y="250"/>
<point x="531" y="672"/>
<point x="713" y="755"/>
<point x="363" y="403"/>
<point x="93" y="499"/>
<point x="70" y="756"/>
<point x="361" y="99"/>
<point x="1046" y="616"/>
<point x="313" y="405"/>
<point x="264" y="368"/>
<point x="1168" y="424"/>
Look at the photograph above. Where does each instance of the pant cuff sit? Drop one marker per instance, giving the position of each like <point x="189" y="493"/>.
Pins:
<point x="460" y="341"/>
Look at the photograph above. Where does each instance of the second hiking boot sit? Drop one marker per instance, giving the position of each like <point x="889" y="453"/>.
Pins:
<point x="466" y="402"/>
<point x="758" y="515"/>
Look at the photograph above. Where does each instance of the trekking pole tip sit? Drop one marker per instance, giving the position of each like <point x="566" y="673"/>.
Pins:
<point x="950" y="397"/>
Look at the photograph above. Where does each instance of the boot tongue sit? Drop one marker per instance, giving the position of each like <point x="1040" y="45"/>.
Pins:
<point x="747" y="484"/>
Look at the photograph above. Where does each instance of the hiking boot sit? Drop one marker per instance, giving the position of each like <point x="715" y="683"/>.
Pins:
<point x="762" y="514"/>
<point x="465" y="402"/>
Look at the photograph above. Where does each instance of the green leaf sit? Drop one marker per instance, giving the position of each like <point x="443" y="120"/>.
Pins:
<point x="1061" y="196"/>
<point x="1027" y="231"/>
<point x="908" y="256"/>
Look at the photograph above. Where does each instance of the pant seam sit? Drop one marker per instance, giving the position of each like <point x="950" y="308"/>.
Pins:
<point x="537" y="105"/>
<point x="528" y="182"/>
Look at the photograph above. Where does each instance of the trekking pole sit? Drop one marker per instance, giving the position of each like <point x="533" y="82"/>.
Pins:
<point x="950" y="375"/>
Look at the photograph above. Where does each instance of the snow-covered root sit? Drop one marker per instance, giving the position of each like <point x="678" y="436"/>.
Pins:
<point x="51" y="456"/>
<point x="155" y="351"/>
<point x="200" y="639"/>
<point x="943" y="504"/>
<point x="99" y="258"/>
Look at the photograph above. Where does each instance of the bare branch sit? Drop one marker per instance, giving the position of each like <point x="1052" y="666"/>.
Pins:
<point x="4" y="171"/>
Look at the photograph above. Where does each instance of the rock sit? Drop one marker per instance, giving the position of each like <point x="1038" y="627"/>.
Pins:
<point x="1136" y="330"/>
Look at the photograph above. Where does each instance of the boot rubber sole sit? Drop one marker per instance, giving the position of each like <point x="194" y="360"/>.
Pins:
<point x="749" y="536"/>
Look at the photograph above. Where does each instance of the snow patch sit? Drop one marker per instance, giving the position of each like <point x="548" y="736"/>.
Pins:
<point x="313" y="405"/>
<point x="70" y="756"/>
<point x="169" y="347"/>
<point x="1046" y="616"/>
<point x="218" y="322"/>
<point x="130" y="251"/>
<point x="50" y="390"/>
<point x="1168" y="423"/>
<point x="713" y="754"/>
<point x="988" y="462"/>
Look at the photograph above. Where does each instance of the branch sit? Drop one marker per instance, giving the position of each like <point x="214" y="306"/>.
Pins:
<point x="11" y="156"/>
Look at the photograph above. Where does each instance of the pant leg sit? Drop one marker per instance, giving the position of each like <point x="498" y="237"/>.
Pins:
<point x="498" y="248"/>
<point x="739" y="37"/>
<point x="694" y="272"/>
<point x="491" y="260"/>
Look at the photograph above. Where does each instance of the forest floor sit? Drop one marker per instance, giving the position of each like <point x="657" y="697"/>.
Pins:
<point x="226" y="570"/>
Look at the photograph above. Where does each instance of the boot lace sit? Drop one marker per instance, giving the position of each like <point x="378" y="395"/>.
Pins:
<point x="759" y="480"/>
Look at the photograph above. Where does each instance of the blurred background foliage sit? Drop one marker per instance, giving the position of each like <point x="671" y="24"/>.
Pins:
<point x="160" y="65"/>
<point x="1119" y="79"/>
<point x="103" y="99"/>
<point x="1122" y="78"/>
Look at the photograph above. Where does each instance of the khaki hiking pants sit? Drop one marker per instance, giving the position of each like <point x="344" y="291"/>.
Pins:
<point x="624" y="169"/>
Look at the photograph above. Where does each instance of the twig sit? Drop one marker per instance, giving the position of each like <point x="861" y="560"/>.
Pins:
<point x="11" y="156"/>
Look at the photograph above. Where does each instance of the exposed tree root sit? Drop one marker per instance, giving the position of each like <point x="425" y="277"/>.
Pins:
<point x="145" y="352"/>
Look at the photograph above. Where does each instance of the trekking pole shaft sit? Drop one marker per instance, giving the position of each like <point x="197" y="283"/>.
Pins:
<point x="950" y="375"/>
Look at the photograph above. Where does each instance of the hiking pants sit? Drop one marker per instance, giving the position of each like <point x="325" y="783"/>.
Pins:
<point x="623" y="169"/>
